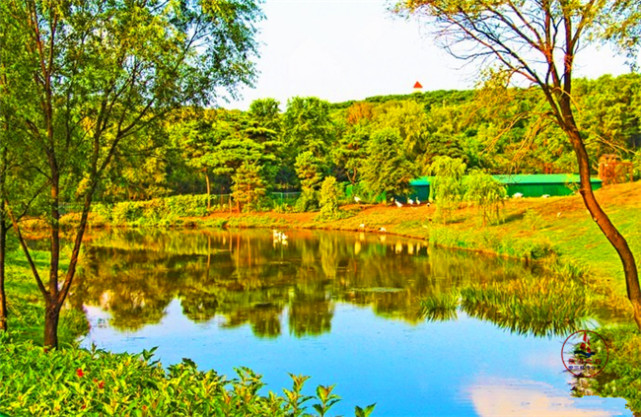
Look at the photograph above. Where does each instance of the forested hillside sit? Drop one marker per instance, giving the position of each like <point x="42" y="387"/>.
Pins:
<point x="294" y="145"/>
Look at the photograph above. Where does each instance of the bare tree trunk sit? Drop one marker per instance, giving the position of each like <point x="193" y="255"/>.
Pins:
<point x="52" y="316"/>
<point x="607" y="227"/>
<point x="3" y="249"/>
<point x="52" y="308"/>
<point x="208" y="191"/>
<point x="208" y="257"/>
<point x="3" y="242"/>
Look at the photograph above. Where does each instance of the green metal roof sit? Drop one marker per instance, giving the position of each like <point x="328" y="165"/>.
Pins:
<point x="420" y="181"/>
<point x="541" y="179"/>
<point x="522" y="179"/>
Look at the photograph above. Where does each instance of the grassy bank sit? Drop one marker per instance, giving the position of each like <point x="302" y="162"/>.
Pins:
<point x="533" y="228"/>
<point x="25" y="304"/>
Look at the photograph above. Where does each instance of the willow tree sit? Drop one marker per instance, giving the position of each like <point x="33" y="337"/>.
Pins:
<point x="537" y="42"/>
<point x="87" y="76"/>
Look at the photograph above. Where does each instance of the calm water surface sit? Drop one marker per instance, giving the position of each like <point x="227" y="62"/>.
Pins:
<point x="344" y="308"/>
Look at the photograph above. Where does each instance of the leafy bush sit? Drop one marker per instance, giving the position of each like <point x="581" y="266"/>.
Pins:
<point x="101" y="210"/>
<point x="487" y="193"/>
<point x="329" y="196"/>
<point x="154" y="212"/>
<point x="308" y="200"/>
<point x="309" y="172"/>
<point x="621" y="377"/>
<point x="187" y="205"/>
<point x="126" y="212"/>
<point x="94" y="382"/>
<point x="447" y="185"/>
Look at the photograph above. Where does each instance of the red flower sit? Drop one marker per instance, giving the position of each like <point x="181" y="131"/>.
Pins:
<point x="101" y="384"/>
<point x="80" y="373"/>
<point x="144" y="408"/>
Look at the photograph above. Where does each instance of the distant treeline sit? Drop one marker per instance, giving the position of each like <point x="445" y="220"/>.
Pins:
<point x="377" y="144"/>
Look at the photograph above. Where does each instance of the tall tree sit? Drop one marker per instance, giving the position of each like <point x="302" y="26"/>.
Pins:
<point x="538" y="41"/>
<point x="309" y="172"/>
<point x="349" y="151"/>
<point x="88" y="76"/>
<point x="264" y="127"/>
<point x="387" y="168"/>
<point x="248" y="187"/>
<point x="190" y="130"/>
<point x="265" y="113"/>
<point x="307" y="126"/>
<point x="409" y="118"/>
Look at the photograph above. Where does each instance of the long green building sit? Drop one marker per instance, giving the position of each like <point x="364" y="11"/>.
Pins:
<point x="529" y="185"/>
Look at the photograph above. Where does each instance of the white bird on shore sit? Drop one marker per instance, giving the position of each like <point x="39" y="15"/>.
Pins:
<point x="398" y="204"/>
<point x="382" y="229"/>
<point x="517" y="195"/>
<point x="418" y="202"/>
<point x="357" y="199"/>
<point x="409" y="200"/>
<point x="545" y="195"/>
<point x="361" y="226"/>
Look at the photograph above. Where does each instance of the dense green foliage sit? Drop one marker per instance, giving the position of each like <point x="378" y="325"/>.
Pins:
<point x="621" y="376"/>
<point x="386" y="169"/>
<point x="154" y="212"/>
<point x="248" y="186"/>
<point x="329" y="198"/>
<point x="487" y="193"/>
<point x="93" y="382"/>
<point x="308" y="170"/>
<point x="100" y="101"/>
<point x="447" y="186"/>
<point x="376" y="144"/>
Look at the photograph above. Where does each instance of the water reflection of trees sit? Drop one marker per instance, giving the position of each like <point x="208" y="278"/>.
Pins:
<point x="248" y="279"/>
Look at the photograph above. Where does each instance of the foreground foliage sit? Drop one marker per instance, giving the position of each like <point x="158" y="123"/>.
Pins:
<point x="94" y="382"/>
<point x="621" y="376"/>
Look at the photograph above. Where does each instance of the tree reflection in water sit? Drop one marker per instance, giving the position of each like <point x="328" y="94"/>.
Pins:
<point x="247" y="279"/>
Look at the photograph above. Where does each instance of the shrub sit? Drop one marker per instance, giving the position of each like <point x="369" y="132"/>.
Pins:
<point x="126" y="212"/>
<point x="329" y="196"/>
<point x="94" y="382"/>
<point x="487" y="193"/>
<point x="447" y="186"/>
<point x="154" y="212"/>
<point x="309" y="172"/>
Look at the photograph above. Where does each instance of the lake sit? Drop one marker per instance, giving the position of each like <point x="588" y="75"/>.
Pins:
<point x="420" y="331"/>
